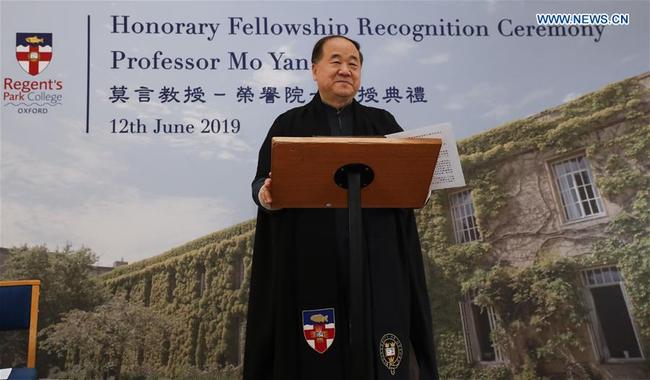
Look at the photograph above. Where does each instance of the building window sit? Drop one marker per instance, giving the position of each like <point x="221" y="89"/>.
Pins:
<point x="462" y="213"/>
<point x="241" y="272"/>
<point x="165" y="353"/>
<point x="478" y="324"/>
<point x="577" y="189"/>
<point x="238" y="272"/>
<point x="242" y="340"/>
<point x="147" y="290"/>
<point x="612" y="327"/>
<point x="200" y="281"/>
<point x="127" y="296"/>
<point x="171" y="285"/>
<point x="232" y="335"/>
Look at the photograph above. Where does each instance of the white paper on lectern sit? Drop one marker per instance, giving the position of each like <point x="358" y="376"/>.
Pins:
<point x="448" y="171"/>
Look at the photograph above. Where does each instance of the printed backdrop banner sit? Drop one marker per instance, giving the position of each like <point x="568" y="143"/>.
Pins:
<point x="133" y="127"/>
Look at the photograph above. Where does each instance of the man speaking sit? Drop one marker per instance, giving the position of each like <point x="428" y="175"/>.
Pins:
<point x="298" y="317"/>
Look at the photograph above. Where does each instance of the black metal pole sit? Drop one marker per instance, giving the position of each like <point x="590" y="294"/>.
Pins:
<point x="353" y="177"/>
<point x="358" y="340"/>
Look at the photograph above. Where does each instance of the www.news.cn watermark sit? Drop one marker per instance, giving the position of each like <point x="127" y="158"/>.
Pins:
<point x="583" y="19"/>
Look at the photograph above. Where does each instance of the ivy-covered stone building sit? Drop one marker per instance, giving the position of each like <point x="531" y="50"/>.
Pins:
<point x="539" y="267"/>
<point x="202" y="287"/>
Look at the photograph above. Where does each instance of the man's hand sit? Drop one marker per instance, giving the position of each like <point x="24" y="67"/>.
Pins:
<point x="265" y="197"/>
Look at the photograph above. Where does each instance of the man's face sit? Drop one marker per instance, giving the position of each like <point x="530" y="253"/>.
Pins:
<point x="338" y="72"/>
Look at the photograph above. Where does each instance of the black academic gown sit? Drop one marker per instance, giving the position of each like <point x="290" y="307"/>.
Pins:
<point x="299" y="264"/>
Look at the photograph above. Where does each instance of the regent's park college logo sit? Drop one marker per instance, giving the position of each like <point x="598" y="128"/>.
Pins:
<point x="30" y="92"/>
<point x="319" y="328"/>
<point x="34" y="51"/>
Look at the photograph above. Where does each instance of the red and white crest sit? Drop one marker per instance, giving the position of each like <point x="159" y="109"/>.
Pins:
<point x="34" y="51"/>
<point x="319" y="328"/>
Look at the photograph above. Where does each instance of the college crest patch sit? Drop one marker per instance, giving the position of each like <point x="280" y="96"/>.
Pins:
<point x="34" y="51"/>
<point x="319" y="328"/>
<point x="390" y="352"/>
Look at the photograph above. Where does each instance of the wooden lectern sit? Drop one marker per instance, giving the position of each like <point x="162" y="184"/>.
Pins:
<point x="353" y="172"/>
